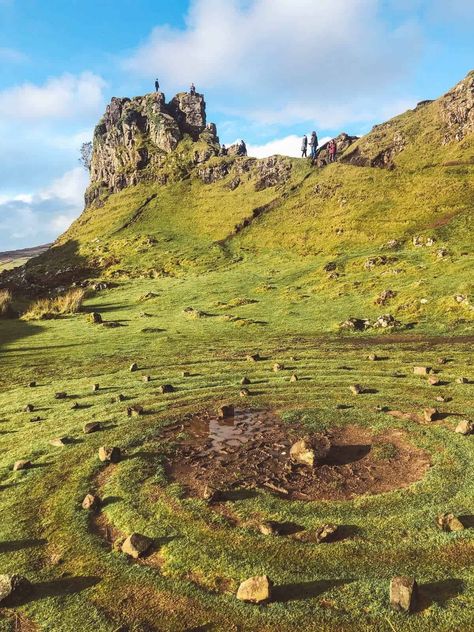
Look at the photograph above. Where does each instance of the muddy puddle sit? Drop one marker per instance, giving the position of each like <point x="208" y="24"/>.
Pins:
<point x="251" y="451"/>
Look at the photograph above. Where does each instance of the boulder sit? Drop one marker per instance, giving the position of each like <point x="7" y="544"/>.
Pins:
<point x="462" y="380"/>
<point x="185" y="373"/>
<point x="226" y="412"/>
<point x="91" y="502"/>
<point x="256" y="589"/>
<point x="244" y="392"/>
<point x="95" y="387"/>
<point x="29" y="408"/>
<point x="91" y="426"/>
<point x="278" y="367"/>
<point x="449" y="522"/>
<point x="434" y="381"/>
<point x="465" y="427"/>
<point x="310" y="450"/>
<point x="31" y="384"/>
<point x="244" y="381"/>
<point x="373" y="357"/>
<point x="253" y="357"/>
<point x="22" y="464"/>
<point x="166" y="388"/>
<point x="13" y="586"/>
<point x="294" y="378"/>
<point x="133" y="367"/>
<point x="59" y="442"/>
<point x="430" y="414"/>
<point x="442" y="360"/>
<point x="136" y="545"/>
<point x="421" y="370"/>
<point x="146" y="378"/>
<point x="109" y="455"/>
<point x="403" y="593"/>
<point x="211" y="494"/>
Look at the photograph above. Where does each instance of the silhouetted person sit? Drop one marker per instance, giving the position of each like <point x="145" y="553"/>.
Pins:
<point x="192" y="89"/>
<point x="304" y="146"/>
<point x="313" y="143"/>
<point x="157" y="85"/>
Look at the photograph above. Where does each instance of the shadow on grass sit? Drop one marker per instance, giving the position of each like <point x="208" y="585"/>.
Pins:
<point x="55" y="588"/>
<point x="305" y="590"/>
<point x="439" y="592"/>
<point x="111" y="500"/>
<point x="468" y="521"/>
<point x="238" y="494"/>
<point x="345" y="454"/>
<point x="19" y="545"/>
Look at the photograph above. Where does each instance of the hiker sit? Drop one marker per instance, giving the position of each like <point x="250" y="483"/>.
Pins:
<point x="332" y="150"/>
<point x="223" y="151"/>
<point x="242" y="148"/>
<point x="157" y="85"/>
<point x="313" y="143"/>
<point x="192" y="90"/>
<point x="304" y="146"/>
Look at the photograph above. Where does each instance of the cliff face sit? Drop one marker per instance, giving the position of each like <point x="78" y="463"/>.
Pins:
<point x="134" y="137"/>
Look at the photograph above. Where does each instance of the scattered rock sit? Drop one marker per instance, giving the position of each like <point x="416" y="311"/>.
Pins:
<point x="441" y="253"/>
<point x="95" y="387"/>
<point x="278" y="367"/>
<point x="442" y="360"/>
<point x="226" y="411"/>
<point x="385" y="296"/>
<point x="35" y="419"/>
<point x="136" y="545"/>
<point x="13" y="586"/>
<point x="59" y="442"/>
<point x="91" y="502"/>
<point x="75" y="406"/>
<point x="185" y="373"/>
<point x="133" y="367"/>
<point x="373" y="357"/>
<point x="269" y="527"/>
<point x="255" y="590"/>
<point x="135" y="411"/>
<point x="244" y="392"/>
<point x="118" y="398"/>
<point x="325" y="533"/>
<point x="434" y="381"/>
<point x="430" y="414"/>
<point x="211" y="494"/>
<point x="403" y="593"/>
<point x="310" y="450"/>
<point x="356" y="389"/>
<point x="294" y="378"/>
<point x="146" y="378"/>
<point x="244" y="381"/>
<point x="254" y="357"/>
<point x="421" y="370"/>
<point x="109" y="455"/>
<point x="91" y="426"/>
<point x="29" y="408"/>
<point x="60" y="395"/>
<point x="385" y="321"/>
<point x="95" y="318"/>
<point x="166" y="388"/>
<point x="193" y="313"/>
<point x="23" y="464"/>
<point x="460" y="298"/>
<point x="449" y="522"/>
<point x="465" y="427"/>
<point x="32" y="384"/>
<point x="330" y="267"/>
<point x="462" y="380"/>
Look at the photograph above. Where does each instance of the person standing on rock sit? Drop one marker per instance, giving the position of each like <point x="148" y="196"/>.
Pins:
<point x="242" y="148"/>
<point x="304" y="146"/>
<point x="192" y="90"/>
<point x="332" y="150"/>
<point x="157" y="85"/>
<point x="313" y="143"/>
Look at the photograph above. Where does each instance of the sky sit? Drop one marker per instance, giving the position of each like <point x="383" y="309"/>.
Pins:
<point x="271" y="70"/>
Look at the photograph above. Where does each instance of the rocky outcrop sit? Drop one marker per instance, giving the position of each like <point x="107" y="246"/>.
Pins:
<point x="457" y="110"/>
<point x="343" y="142"/>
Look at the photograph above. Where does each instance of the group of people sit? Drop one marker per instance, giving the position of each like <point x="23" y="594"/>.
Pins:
<point x="192" y="89"/>
<point x="331" y="147"/>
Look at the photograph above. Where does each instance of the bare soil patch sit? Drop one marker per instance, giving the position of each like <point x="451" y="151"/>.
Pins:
<point x="252" y="451"/>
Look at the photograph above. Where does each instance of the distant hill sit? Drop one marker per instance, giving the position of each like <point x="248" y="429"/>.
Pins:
<point x="14" y="258"/>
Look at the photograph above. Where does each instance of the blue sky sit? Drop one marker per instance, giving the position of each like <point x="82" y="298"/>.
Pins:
<point x="271" y="70"/>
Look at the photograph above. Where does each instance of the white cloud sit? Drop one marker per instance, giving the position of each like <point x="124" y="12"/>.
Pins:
<point x="287" y="146"/>
<point x="324" y="60"/>
<point x="67" y="96"/>
<point x="69" y="187"/>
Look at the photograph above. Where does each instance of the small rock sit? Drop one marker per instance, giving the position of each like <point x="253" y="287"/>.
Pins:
<point x="13" y="586"/>
<point x="465" y="427"/>
<point x="95" y="387"/>
<point x="269" y="527"/>
<point x="118" y="398"/>
<point x="434" y="381"/>
<point x="403" y="593"/>
<point x="59" y="442"/>
<point x="421" y="370"/>
<point x="226" y="411"/>
<point x="133" y="367"/>
<point x="211" y="494"/>
<point x="95" y="318"/>
<point x="166" y="388"/>
<point x="91" y="502"/>
<point x="255" y="589"/>
<point x="294" y="378"/>
<point x="462" y="380"/>
<point x="459" y="298"/>
<point x="244" y="392"/>
<point x="35" y="419"/>
<point x="109" y="455"/>
<point x="372" y="357"/>
<point x="136" y="545"/>
<point x="449" y="522"/>
<point x="442" y="360"/>
<point x="32" y="384"/>
<point x="60" y="395"/>
<point x="91" y="426"/>
<point x="75" y="406"/>
<point x="254" y="357"/>
<point x="146" y="378"/>
<point x="185" y="373"/>
<point x="430" y="414"/>
<point x="135" y="411"/>
<point x="443" y="398"/>
<point x="325" y="533"/>
<point x="278" y="367"/>
<point x="356" y="389"/>
<point x="244" y="381"/>
<point x="23" y="464"/>
<point x="310" y="450"/>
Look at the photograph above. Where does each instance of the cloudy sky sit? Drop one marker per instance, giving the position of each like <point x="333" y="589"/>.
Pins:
<point x="271" y="70"/>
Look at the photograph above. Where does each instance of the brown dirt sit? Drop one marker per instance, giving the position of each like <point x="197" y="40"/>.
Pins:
<point x="251" y="451"/>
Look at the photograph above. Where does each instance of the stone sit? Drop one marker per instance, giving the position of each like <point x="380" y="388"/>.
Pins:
<point x="59" y="442"/>
<point x="31" y="384"/>
<point x="211" y="494"/>
<point x="91" y="502"/>
<point x="23" y="464"/>
<point x="185" y="373"/>
<point x="118" y="398"/>
<point x="372" y="357"/>
<point x="146" y="378"/>
<point x="136" y="545"/>
<point x="310" y="451"/>
<point x="254" y="357"/>
<point x="448" y="522"/>
<point x="462" y="380"/>
<point x="421" y="370"/>
<point x="403" y="593"/>
<point x="13" y="586"/>
<point x="244" y="392"/>
<point x="75" y="406"/>
<point x="133" y="367"/>
<point x="91" y="426"/>
<point x="434" y="381"/>
<point x="385" y="321"/>
<point x="60" y="395"/>
<point x="109" y="455"/>
<point x="442" y="360"/>
<point x="430" y="414"/>
<point x="465" y="427"/>
<point x="443" y="398"/>
<point x="356" y="389"/>
<point x="325" y="533"/>
<point x="270" y="527"/>
<point x="135" y="411"/>
<point x="244" y="381"/>
<point x="256" y="590"/>
<point x="35" y="419"/>
<point x="166" y="388"/>
<point x="226" y="411"/>
<point x="294" y="378"/>
<point x="29" y="408"/>
<point x="278" y="367"/>
<point x="95" y="318"/>
<point x="95" y="387"/>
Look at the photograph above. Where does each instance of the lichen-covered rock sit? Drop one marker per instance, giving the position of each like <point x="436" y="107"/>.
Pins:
<point x="255" y="589"/>
<point x="136" y="545"/>
<point x="310" y="450"/>
<point x="403" y="593"/>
